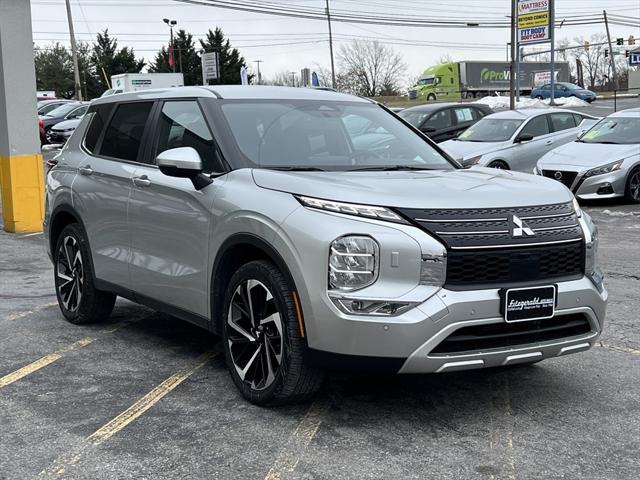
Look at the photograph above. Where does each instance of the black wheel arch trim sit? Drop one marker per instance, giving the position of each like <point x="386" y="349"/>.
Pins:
<point x="69" y="210"/>
<point x="237" y="239"/>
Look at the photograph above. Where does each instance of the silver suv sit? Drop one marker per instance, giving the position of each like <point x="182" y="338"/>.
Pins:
<point x="312" y="229"/>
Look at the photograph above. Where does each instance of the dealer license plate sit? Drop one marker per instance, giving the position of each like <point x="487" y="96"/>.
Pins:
<point x="532" y="303"/>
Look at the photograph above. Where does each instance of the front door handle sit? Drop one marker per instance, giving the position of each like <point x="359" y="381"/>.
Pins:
<point x="86" y="170"/>
<point x="142" y="181"/>
<point x="549" y="142"/>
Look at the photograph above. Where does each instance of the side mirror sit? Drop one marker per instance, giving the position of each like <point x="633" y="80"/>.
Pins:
<point x="524" y="137"/>
<point x="183" y="162"/>
<point x="428" y="130"/>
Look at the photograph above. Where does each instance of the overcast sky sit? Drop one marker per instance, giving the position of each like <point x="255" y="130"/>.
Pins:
<point x="288" y="44"/>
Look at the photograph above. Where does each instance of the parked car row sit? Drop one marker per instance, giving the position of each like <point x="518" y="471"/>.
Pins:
<point x="57" y="119"/>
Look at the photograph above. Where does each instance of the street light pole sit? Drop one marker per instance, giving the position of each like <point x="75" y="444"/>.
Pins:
<point x="512" y="69"/>
<point x="74" y="55"/>
<point x="333" y="68"/>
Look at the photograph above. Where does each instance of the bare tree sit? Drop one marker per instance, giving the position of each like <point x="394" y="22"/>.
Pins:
<point x="592" y="59"/>
<point x="371" y="68"/>
<point x="282" y="78"/>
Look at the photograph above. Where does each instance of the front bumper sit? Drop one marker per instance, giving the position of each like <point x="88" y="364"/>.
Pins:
<point x="609" y="185"/>
<point x="413" y="336"/>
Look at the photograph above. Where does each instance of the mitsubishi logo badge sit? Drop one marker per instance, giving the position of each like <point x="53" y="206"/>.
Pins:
<point x="557" y="175"/>
<point x="520" y="228"/>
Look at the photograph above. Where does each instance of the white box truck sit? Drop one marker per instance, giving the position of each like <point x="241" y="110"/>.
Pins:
<point x="134" y="82"/>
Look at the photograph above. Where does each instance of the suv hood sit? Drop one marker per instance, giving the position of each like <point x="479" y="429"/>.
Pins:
<point x="465" y="188"/>
<point x="464" y="150"/>
<point x="578" y="154"/>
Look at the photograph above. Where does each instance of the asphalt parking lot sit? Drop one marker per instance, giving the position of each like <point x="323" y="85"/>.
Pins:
<point x="148" y="396"/>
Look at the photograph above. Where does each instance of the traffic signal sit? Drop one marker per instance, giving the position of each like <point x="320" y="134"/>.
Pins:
<point x="619" y="41"/>
<point x="631" y="40"/>
<point x="586" y="45"/>
<point x="626" y="53"/>
<point x="606" y="52"/>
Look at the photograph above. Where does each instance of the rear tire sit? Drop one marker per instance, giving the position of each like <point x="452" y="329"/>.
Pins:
<point x="79" y="300"/>
<point x="498" y="164"/>
<point x="632" y="189"/>
<point x="264" y="348"/>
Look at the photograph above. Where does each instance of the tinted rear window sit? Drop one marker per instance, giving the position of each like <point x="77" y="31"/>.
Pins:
<point x="124" y="133"/>
<point x="99" y="117"/>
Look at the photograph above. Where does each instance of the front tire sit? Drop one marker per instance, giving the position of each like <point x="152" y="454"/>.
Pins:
<point x="498" y="164"/>
<point x="431" y="97"/>
<point x="632" y="189"/>
<point x="79" y="300"/>
<point x="263" y="344"/>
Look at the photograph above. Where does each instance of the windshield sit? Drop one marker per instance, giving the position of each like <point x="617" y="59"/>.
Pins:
<point x="491" y="130"/>
<point x="62" y="110"/>
<point x="324" y="135"/>
<point x="622" y="130"/>
<point x="415" y="118"/>
<point x="426" y="81"/>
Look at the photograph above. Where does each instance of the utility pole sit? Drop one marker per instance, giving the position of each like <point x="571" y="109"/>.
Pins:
<point x="258" y="62"/>
<point x="611" y="56"/>
<point x="552" y="37"/>
<point x="74" y="55"/>
<point x="171" y="24"/>
<point x="333" y="68"/>
<point x="512" y="66"/>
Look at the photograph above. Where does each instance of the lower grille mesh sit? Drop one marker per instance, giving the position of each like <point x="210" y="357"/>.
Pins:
<point x="500" y="335"/>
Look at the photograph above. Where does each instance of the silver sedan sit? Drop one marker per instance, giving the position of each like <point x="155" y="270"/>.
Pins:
<point x="516" y="140"/>
<point x="602" y="163"/>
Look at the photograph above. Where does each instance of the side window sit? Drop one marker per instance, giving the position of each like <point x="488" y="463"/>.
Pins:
<point x="438" y="120"/>
<point x="477" y="113"/>
<point x="124" y="133"/>
<point x="464" y="115"/>
<point x="99" y="116"/>
<point x="537" y="126"/>
<point x="181" y="124"/>
<point x="578" y="118"/>
<point x="562" y="121"/>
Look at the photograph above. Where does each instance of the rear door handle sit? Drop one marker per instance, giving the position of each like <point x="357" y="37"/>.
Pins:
<point x="142" y="181"/>
<point x="86" y="170"/>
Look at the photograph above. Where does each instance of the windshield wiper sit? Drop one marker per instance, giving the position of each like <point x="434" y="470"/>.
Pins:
<point x="608" y="142"/>
<point x="296" y="169"/>
<point x="390" y="168"/>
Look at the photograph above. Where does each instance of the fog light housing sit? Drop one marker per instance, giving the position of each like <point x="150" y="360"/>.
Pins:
<point x="373" y="307"/>
<point x="353" y="262"/>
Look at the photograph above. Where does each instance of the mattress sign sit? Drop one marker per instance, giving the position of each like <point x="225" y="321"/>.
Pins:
<point x="534" y="18"/>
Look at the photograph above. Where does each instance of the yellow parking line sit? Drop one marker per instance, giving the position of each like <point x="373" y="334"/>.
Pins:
<point x="19" y="315"/>
<point x="43" y="362"/>
<point x="299" y="440"/>
<point x="617" y="348"/>
<point x="58" y="467"/>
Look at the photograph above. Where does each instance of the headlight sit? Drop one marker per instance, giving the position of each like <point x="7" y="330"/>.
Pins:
<point x="591" y="268"/>
<point x="381" y="213"/>
<point x="353" y="263"/>
<point x="611" y="167"/>
<point x="577" y="208"/>
<point x="472" y="161"/>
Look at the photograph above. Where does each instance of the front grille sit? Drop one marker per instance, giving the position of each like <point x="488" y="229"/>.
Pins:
<point x="501" y="335"/>
<point x="502" y="267"/>
<point x="566" y="178"/>
<point x="497" y="227"/>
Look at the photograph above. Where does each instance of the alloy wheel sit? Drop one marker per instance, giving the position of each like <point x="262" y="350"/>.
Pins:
<point x="634" y="185"/>
<point x="70" y="274"/>
<point x="254" y="334"/>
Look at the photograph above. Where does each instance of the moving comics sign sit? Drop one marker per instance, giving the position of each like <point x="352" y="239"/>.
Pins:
<point x="534" y="19"/>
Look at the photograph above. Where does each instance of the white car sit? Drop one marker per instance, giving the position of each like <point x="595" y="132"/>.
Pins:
<point x="517" y="139"/>
<point x="602" y="163"/>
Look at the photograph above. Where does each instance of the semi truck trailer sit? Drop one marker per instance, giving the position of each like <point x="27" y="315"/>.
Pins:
<point x="473" y="79"/>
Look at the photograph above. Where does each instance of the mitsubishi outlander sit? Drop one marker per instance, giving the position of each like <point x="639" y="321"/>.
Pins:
<point x="313" y="229"/>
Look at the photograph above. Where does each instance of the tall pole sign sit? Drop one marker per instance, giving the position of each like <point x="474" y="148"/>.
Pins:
<point x="535" y="25"/>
